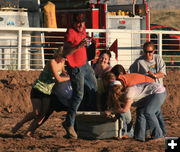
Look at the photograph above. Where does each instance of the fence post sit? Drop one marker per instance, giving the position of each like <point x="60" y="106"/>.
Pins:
<point x="42" y="50"/>
<point x="19" y="48"/>
<point x="172" y="64"/>
<point x="160" y="44"/>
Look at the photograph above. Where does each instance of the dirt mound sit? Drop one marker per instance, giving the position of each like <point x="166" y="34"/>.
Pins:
<point x="171" y="108"/>
<point x="15" y="89"/>
<point x="16" y="85"/>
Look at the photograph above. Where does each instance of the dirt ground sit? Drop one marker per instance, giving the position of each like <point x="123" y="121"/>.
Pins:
<point x="15" y="88"/>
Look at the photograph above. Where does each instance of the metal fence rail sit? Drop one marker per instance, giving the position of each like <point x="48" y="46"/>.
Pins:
<point x="31" y="48"/>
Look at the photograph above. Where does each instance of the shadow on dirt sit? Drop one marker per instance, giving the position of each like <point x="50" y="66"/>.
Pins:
<point x="11" y="136"/>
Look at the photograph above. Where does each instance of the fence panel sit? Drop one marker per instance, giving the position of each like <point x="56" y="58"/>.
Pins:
<point x="31" y="48"/>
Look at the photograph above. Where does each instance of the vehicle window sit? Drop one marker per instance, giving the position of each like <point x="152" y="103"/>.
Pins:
<point x="170" y="29"/>
<point x="165" y="29"/>
<point x="158" y="28"/>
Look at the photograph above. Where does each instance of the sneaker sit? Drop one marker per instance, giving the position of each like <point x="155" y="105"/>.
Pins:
<point x="71" y="133"/>
<point x="125" y="137"/>
<point x="139" y="139"/>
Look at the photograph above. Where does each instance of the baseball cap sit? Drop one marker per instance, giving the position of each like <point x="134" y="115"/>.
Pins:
<point x="79" y="17"/>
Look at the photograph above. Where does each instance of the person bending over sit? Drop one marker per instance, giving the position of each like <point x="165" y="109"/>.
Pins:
<point x="148" y="98"/>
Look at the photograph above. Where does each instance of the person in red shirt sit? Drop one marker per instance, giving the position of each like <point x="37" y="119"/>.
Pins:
<point x="80" y="72"/>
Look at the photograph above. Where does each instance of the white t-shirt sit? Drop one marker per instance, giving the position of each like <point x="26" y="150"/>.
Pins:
<point x="142" y="90"/>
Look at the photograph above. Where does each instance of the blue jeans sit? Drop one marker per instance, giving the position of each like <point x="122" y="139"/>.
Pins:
<point x="147" y="115"/>
<point x="127" y="124"/>
<point x="161" y="121"/>
<point x="80" y="76"/>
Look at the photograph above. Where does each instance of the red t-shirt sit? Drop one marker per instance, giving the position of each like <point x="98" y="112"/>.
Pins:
<point x="79" y="57"/>
<point x="131" y="79"/>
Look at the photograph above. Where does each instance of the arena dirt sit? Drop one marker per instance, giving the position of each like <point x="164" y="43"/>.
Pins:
<point x="15" y="89"/>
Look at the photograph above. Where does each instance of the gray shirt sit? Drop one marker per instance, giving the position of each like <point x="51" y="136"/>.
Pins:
<point x="142" y="66"/>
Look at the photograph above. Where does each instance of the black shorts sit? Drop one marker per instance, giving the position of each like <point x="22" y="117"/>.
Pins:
<point x="35" y="93"/>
